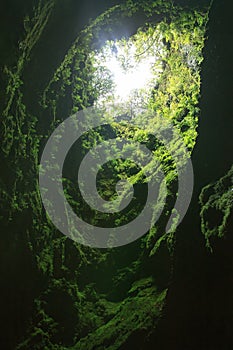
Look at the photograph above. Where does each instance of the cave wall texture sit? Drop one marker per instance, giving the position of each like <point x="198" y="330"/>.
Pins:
<point x="56" y="294"/>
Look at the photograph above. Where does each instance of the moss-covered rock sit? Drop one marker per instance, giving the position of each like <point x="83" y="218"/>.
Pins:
<point x="87" y="298"/>
<point x="217" y="210"/>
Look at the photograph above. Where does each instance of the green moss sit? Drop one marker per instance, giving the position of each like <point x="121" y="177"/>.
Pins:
<point x="216" y="202"/>
<point x="140" y="311"/>
<point x="90" y="298"/>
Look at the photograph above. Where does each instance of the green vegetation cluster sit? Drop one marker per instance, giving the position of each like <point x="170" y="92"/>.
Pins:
<point x="92" y="298"/>
<point x="216" y="210"/>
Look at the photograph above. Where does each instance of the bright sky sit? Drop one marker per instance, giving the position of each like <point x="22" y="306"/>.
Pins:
<point x="136" y="78"/>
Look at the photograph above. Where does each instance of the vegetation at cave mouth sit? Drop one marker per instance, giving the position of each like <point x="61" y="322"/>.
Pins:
<point x="90" y="298"/>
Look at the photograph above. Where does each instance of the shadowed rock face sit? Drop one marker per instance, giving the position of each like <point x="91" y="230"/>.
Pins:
<point x="66" y="293"/>
<point x="199" y="312"/>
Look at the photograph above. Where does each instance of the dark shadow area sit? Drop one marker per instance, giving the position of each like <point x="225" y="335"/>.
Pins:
<point x="199" y="313"/>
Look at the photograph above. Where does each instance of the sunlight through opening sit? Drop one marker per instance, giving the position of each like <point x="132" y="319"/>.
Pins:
<point x="136" y="76"/>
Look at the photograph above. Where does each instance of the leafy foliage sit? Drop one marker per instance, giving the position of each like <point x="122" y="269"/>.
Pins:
<point x="73" y="274"/>
<point x="216" y="209"/>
